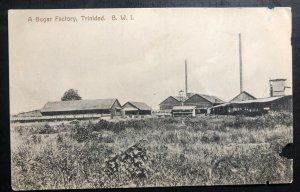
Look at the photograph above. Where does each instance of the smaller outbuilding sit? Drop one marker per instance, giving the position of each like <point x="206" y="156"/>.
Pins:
<point x="136" y="108"/>
<point x="184" y="111"/>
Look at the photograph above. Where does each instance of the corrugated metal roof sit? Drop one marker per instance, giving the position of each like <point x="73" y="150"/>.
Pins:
<point x="221" y="105"/>
<point x="139" y="105"/>
<point x="210" y="98"/>
<point x="168" y="98"/>
<point x="259" y="100"/>
<point x="78" y="105"/>
<point x="34" y="113"/>
<point x="184" y="107"/>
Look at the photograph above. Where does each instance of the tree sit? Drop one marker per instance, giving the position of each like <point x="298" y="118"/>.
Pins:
<point x="71" y="94"/>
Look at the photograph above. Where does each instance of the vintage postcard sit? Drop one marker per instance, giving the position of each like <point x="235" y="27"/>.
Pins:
<point x="155" y="97"/>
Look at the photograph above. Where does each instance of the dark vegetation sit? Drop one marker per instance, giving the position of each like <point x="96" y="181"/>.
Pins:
<point x="181" y="151"/>
<point x="71" y="94"/>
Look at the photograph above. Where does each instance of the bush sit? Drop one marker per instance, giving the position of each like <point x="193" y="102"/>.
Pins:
<point x="81" y="133"/>
<point x="101" y="125"/>
<point x="46" y="129"/>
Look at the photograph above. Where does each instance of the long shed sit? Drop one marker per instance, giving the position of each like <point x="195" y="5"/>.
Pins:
<point x="255" y="106"/>
<point x="96" y="106"/>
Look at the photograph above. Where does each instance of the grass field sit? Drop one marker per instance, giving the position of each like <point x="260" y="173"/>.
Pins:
<point x="206" y="150"/>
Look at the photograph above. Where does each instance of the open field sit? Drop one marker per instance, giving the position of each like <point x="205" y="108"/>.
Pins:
<point x="183" y="151"/>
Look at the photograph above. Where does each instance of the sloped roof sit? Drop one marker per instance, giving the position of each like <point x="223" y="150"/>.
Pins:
<point x="243" y="92"/>
<point x="174" y="97"/>
<point x="210" y="98"/>
<point x="77" y="105"/>
<point x="34" y="113"/>
<point x="259" y="100"/>
<point x="139" y="105"/>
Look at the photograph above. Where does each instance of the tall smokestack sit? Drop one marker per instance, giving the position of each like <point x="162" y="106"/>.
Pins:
<point x="241" y="64"/>
<point x="186" y="84"/>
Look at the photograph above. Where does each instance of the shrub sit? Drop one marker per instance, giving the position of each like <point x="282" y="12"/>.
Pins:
<point x="81" y="133"/>
<point x="101" y="125"/>
<point x="46" y="129"/>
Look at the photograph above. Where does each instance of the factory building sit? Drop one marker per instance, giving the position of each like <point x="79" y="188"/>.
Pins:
<point x="255" y="106"/>
<point x="136" y="108"/>
<point x="202" y="102"/>
<point x="247" y="105"/>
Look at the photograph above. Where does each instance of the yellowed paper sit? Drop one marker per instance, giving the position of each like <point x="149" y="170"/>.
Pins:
<point x="159" y="97"/>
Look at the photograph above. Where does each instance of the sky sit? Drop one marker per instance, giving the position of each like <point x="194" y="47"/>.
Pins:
<point x="143" y="59"/>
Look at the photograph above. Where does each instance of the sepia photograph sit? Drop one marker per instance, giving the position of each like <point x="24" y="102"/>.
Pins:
<point x="149" y="97"/>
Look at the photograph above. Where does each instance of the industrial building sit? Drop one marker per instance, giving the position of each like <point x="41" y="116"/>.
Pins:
<point x="97" y="106"/>
<point x="185" y="104"/>
<point x="201" y="101"/>
<point x="136" y="108"/>
<point x="248" y="105"/>
<point x="255" y="106"/>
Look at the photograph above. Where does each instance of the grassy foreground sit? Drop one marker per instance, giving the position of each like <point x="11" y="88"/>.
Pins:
<point x="205" y="150"/>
